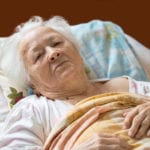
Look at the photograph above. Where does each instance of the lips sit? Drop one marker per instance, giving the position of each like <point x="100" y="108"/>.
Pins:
<point x="60" y="64"/>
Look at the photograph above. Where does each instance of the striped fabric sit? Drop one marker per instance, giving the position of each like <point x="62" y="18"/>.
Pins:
<point x="106" y="51"/>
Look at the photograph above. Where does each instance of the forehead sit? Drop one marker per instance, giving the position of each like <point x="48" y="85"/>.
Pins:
<point x="37" y="35"/>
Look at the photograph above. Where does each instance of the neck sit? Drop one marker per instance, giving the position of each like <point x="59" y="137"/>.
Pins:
<point x="75" y="95"/>
<point x="91" y="90"/>
<point x="73" y="90"/>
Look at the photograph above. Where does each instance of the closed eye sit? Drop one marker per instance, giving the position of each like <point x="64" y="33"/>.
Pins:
<point x="38" y="57"/>
<point x="54" y="44"/>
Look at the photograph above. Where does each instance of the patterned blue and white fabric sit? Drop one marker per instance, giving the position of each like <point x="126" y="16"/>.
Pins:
<point x="106" y="51"/>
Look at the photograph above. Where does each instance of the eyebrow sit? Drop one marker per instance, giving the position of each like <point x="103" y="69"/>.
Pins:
<point x="52" y="38"/>
<point x="35" y="47"/>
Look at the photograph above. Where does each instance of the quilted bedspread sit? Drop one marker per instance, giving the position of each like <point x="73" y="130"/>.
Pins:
<point x="97" y="114"/>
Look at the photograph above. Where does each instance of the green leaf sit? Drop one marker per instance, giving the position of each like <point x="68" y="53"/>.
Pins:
<point x="13" y="90"/>
<point x="20" y="94"/>
<point x="11" y="105"/>
<point x="13" y="101"/>
<point x="14" y="95"/>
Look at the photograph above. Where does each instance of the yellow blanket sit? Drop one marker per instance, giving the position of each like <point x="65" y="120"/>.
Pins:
<point x="97" y="114"/>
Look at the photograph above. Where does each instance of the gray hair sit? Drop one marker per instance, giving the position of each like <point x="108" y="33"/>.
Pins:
<point x="12" y="64"/>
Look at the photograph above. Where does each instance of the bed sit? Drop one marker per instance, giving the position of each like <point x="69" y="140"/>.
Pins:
<point x="108" y="52"/>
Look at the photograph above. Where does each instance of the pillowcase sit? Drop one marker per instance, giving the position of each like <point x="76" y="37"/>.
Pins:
<point x="10" y="91"/>
<point x="106" y="51"/>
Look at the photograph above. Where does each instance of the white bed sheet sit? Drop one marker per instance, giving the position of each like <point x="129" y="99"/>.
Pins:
<point x="4" y="109"/>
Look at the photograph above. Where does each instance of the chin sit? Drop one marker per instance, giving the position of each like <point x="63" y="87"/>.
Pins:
<point x="68" y="74"/>
<point x="66" y="71"/>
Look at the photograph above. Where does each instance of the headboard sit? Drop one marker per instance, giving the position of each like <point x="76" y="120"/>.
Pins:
<point x="132" y="16"/>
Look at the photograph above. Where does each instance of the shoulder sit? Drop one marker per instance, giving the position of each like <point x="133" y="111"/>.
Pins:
<point x="31" y="101"/>
<point x="29" y="120"/>
<point x="119" y="84"/>
<point x="32" y="106"/>
<point x="42" y="109"/>
<point x="119" y="80"/>
<point x="30" y="116"/>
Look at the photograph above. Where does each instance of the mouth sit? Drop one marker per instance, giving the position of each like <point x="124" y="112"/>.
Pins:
<point x="61" y="64"/>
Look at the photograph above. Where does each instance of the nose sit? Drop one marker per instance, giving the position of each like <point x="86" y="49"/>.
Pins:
<point x="52" y="54"/>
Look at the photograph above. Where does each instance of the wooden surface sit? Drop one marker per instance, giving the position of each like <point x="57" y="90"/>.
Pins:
<point x="132" y="15"/>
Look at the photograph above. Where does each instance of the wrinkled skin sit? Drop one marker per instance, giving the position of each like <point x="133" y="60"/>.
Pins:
<point x="137" y="121"/>
<point x="52" y="62"/>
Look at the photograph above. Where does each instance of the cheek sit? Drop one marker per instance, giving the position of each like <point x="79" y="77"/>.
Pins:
<point x="78" y="58"/>
<point x="35" y="76"/>
<point x="41" y="72"/>
<point x="32" y="70"/>
<point x="27" y="64"/>
<point x="74" y="54"/>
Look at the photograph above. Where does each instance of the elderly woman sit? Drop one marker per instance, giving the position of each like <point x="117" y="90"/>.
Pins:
<point x="52" y="66"/>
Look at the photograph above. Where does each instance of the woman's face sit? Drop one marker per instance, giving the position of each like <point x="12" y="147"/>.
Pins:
<point x="50" y="59"/>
